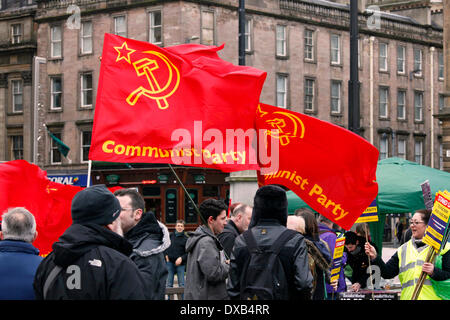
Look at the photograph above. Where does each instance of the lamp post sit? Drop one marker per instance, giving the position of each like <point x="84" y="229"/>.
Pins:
<point x="353" y="84"/>
<point x="241" y="47"/>
<point x="36" y="66"/>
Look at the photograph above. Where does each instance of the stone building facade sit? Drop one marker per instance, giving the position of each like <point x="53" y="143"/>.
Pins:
<point x="303" y="46"/>
<point x="18" y="45"/>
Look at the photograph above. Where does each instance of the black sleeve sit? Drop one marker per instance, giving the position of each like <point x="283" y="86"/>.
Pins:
<point x="390" y="269"/>
<point x="227" y="241"/>
<point x="444" y="273"/>
<point x="184" y="255"/>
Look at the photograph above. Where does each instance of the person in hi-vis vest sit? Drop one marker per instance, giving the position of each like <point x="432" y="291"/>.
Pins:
<point x="409" y="261"/>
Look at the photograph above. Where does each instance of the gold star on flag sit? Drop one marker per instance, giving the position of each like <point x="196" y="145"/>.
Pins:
<point x="124" y="53"/>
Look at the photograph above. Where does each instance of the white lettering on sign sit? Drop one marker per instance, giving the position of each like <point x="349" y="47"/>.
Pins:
<point x="63" y="180"/>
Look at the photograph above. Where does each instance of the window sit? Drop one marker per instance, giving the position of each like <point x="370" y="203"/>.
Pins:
<point x="401" y="148"/>
<point x="418" y="106"/>
<point x="384" y="146"/>
<point x="382" y="58"/>
<point x="401" y="103"/>
<point x="56" y="42"/>
<point x="417" y="62"/>
<point x="309" y="94"/>
<point x="55" y="154"/>
<point x="248" y="35"/>
<point x="384" y="102"/>
<point x="17" y="96"/>
<point x="335" y="49"/>
<point x="309" y="45"/>
<point x="418" y="151"/>
<point x="281" y="41"/>
<point x="401" y="58"/>
<point x="282" y="90"/>
<point x="441" y="102"/>
<point x="86" y="37"/>
<point x="120" y="26"/>
<point x="335" y="97"/>
<point x="155" y="27"/>
<point x="16" y="143"/>
<point x="16" y="33"/>
<point x="56" y="93"/>
<point x="208" y="36"/>
<point x="86" y="90"/>
<point x="440" y="65"/>
<point x="85" y="145"/>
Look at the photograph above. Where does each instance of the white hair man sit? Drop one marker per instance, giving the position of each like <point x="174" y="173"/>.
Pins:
<point x="238" y="223"/>
<point x="19" y="259"/>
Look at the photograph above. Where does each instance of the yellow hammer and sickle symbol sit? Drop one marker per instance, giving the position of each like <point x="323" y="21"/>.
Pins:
<point x="160" y="93"/>
<point x="285" y="133"/>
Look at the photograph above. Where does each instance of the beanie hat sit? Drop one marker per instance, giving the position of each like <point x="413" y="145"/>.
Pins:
<point x="96" y="205"/>
<point x="270" y="202"/>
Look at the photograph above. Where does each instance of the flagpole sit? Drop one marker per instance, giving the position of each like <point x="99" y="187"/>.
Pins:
<point x="370" y="265"/>
<point x="430" y="258"/>
<point x="88" y="184"/>
<point x="192" y="201"/>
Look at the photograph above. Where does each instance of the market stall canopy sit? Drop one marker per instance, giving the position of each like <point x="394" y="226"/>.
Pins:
<point x="399" y="189"/>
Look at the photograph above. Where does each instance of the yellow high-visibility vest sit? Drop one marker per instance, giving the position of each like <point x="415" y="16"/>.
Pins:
<point x="411" y="260"/>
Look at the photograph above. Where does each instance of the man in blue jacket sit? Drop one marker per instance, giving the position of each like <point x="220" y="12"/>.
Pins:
<point x="19" y="259"/>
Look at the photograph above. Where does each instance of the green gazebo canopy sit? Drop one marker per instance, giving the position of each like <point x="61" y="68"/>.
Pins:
<point x="399" y="190"/>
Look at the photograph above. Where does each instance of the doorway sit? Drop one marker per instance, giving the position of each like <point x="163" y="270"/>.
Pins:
<point x="154" y="205"/>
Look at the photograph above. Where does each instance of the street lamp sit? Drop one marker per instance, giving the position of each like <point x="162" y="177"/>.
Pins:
<point x="353" y="84"/>
<point x="241" y="48"/>
<point x="36" y="64"/>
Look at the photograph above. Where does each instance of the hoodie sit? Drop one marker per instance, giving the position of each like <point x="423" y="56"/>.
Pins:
<point x="149" y="239"/>
<point x="206" y="270"/>
<point x="95" y="265"/>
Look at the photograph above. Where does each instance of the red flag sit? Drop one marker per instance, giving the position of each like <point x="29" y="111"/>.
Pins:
<point x="23" y="184"/>
<point x="52" y="223"/>
<point x="26" y="185"/>
<point x="174" y="105"/>
<point x="330" y="168"/>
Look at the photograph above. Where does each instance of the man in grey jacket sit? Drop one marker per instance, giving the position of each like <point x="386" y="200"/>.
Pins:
<point x="207" y="269"/>
<point x="149" y="238"/>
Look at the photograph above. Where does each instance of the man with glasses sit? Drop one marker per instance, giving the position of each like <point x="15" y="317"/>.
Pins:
<point x="409" y="261"/>
<point x="149" y="238"/>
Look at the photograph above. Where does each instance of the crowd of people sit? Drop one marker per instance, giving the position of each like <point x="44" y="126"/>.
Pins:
<point x="114" y="249"/>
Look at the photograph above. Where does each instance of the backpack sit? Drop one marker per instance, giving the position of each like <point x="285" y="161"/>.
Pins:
<point x="263" y="276"/>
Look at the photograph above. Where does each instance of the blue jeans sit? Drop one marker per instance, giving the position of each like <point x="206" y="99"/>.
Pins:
<point x="172" y="268"/>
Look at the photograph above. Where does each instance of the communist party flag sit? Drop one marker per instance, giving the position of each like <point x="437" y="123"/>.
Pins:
<point x="180" y="105"/>
<point x="26" y="185"/>
<point x="332" y="169"/>
<point x="23" y="184"/>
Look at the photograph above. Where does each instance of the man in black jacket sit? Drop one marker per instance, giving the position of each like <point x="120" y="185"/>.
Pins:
<point x="267" y="224"/>
<point x="176" y="255"/>
<point x="238" y="223"/>
<point x="90" y="260"/>
<point x="149" y="238"/>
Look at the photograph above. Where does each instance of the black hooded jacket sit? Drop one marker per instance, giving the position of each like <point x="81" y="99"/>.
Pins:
<point x="268" y="222"/>
<point x="149" y="240"/>
<point x="95" y="266"/>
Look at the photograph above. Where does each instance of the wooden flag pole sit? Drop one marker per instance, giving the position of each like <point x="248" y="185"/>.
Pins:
<point x="430" y="258"/>
<point x="192" y="201"/>
<point x="368" y="259"/>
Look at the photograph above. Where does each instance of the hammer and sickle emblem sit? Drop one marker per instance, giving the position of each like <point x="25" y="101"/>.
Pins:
<point x="286" y="126"/>
<point x="159" y="92"/>
<point x="162" y="76"/>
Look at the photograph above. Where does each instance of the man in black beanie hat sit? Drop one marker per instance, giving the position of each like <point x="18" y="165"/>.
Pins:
<point x="90" y="260"/>
<point x="267" y="225"/>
